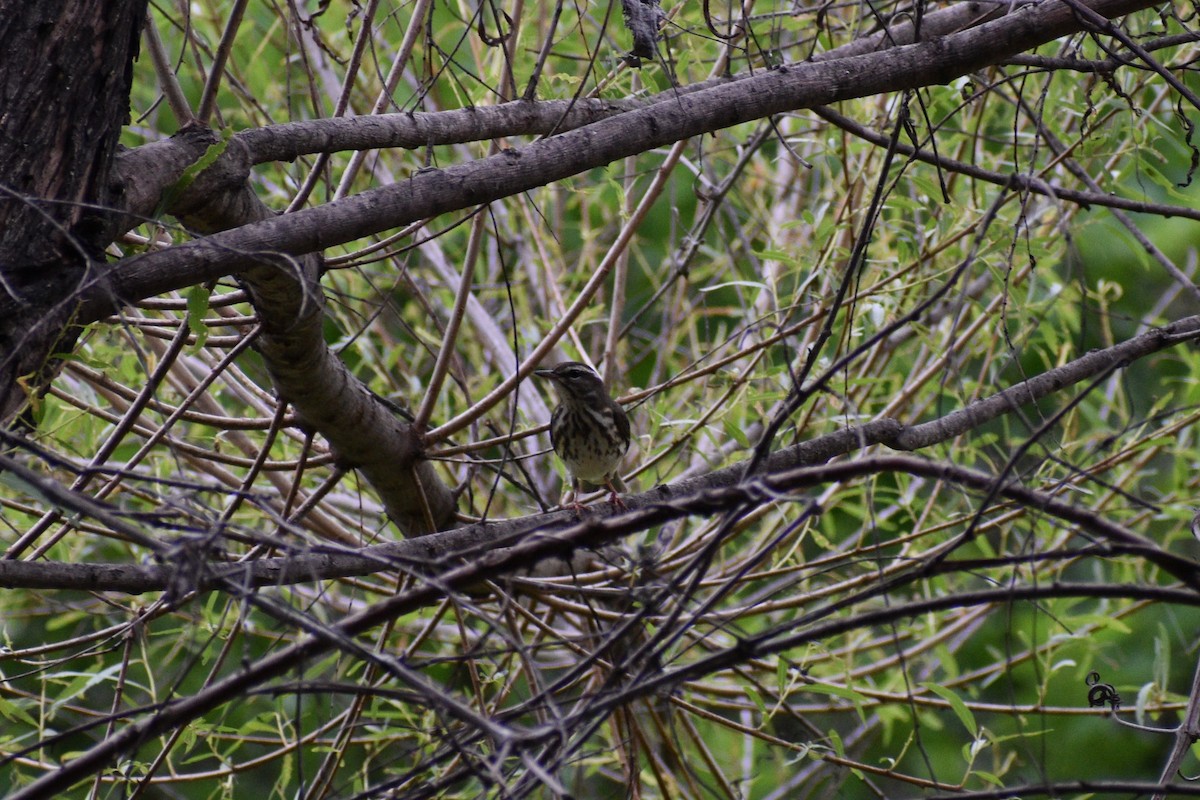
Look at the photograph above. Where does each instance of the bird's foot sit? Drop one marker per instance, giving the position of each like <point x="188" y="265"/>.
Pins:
<point x="615" y="498"/>
<point x="571" y="501"/>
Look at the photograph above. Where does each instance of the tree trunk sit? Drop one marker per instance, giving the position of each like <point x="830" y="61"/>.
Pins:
<point x="64" y="95"/>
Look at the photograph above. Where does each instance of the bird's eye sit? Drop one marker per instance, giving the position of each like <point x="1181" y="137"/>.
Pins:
<point x="577" y="373"/>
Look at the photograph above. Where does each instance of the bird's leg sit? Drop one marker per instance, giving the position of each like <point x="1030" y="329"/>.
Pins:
<point x="614" y="483"/>
<point x="573" y="497"/>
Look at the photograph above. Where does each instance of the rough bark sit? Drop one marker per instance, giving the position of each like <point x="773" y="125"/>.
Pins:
<point x="64" y="95"/>
<point x="64" y="98"/>
<point x="642" y="18"/>
<point x="286" y="293"/>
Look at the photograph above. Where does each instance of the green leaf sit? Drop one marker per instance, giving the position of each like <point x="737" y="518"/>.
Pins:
<point x="782" y="256"/>
<point x="990" y="777"/>
<point x="960" y="708"/>
<point x="197" y="308"/>
<point x="844" y="692"/>
<point x="193" y="171"/>
<point x="14" y="713"/>
<point x="736" y="432"/>
<point x="839" y="747"/>
<point x="1147" y="694"/>
<point x="758" y="701"/>
<point x="1162" y="657"/>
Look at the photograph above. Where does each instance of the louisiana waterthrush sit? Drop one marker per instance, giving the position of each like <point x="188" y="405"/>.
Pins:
<point x="589" y="430"/>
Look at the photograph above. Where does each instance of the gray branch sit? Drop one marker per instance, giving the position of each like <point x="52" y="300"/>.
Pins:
<point x="286" y="294"/>
<point x="710" y="493"/>
<point x="681" y="116"/>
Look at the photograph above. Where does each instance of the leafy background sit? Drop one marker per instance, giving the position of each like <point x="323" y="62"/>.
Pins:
<point x="719" y="297"/>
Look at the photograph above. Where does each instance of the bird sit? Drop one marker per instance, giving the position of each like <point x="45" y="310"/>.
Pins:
<point x="588" y="430"/>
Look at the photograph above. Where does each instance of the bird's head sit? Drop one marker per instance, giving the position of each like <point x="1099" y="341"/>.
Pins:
<point x="576" y="383"/>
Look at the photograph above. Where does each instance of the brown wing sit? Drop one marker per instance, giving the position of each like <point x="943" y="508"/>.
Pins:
<point x="622" y="421"/>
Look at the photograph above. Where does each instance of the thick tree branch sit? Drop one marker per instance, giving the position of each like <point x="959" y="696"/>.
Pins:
<point x="773" y="640"/>
<point x="290" y="140"/>
<point x="714" y="492"/>
<point x="287" y="295"/>
<point x="736" y="586"/>
<point x="435" y="191"/>
<point x="286" y="292"/>
<point x="75" y="60"/>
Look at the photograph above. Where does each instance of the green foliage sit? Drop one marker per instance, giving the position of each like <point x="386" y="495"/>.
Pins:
<point x="729" y="296"/>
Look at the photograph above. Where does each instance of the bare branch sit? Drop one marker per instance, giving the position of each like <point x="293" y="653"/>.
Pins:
<point x="436" y="191"/>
